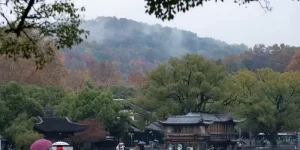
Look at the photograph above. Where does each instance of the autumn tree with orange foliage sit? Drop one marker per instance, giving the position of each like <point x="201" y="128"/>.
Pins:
<point x="24" y="71"/>
<point x="106" y="73"/>
<point x="94" y="133"/>
<point x="77" y="79"/>
<point x="294" y="65"/>
<point x="136" y="78"/>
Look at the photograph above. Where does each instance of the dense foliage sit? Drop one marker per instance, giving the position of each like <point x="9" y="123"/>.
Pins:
<point x="38" y="28"/>
<point x="94" y="102"/>
<point x="21" y="104"/>
<point x="268" y="99"/>
<point x="167" y="9"/>
<point x="277" y="57"/>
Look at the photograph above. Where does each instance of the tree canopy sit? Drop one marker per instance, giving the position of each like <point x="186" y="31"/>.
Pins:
<point x="268" y="99"/>
<point x="183" y="85"/>
<point x="36" y="28"/>
<point x="21" y="104"/>
<point x="94" y="102"/>
<point x="166" y="9"/>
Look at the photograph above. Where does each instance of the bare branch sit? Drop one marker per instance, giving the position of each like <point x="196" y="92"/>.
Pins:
<point x="10" y="26"/>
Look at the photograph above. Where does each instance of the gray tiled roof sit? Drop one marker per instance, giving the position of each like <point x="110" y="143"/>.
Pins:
<point x="135" y="129"/>
<point x="197" y="118"/>
<point x="183" y="120"/>
<point x="62" y="124"/>
<point x="212" y="117"/>
<point x="155" y="126"/>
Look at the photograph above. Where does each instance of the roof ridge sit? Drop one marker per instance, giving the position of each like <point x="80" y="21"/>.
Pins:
<point x="183" y="116"/>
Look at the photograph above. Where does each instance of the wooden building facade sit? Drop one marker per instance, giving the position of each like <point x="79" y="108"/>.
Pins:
<point x="199" y="131"/>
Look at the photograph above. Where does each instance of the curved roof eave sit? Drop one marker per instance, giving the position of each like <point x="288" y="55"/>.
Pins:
<point x="239" y="120"/>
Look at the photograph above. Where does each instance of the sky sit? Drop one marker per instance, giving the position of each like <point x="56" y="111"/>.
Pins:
<point x="225" y="21"/>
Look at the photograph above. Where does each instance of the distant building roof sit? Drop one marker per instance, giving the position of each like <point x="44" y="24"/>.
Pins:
<point x="212" y="117"/>
<point x="133" y="128"/>
<point x="63" y="124"/>
<point x="155" y="126"/>
<point x="200" y="118"/>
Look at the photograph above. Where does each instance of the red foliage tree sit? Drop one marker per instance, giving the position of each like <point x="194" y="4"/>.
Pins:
<point x="294" y="65"/>
<point x="136" y="78"/>
<point x="137" y="65"/>
<point x="106" y="73"/>
<point x="24" y="71"/>
<point x="94" y="133"/>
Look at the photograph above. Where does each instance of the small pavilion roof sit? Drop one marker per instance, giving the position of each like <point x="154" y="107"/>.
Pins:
<point x="59" y="124"/>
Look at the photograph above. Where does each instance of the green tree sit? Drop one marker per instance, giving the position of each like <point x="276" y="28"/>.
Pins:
<point x="94" y="102"/>
<point x="269" y="100"/>
<point x="166" y="9"/>
<point x="15" y="100"/>
<point x="123" y="92"/>
<point x="21" y="133"/>
<point x="4" y="118"/>
<point x="49" y="96"/>
<point x="181" y="86"/>
<point x="38" y="28"/>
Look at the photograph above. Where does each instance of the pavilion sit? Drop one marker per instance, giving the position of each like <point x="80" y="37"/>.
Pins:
<point x="57" y="128"/>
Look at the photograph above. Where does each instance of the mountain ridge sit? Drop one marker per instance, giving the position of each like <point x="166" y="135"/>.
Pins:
<point x="124" y="41"/>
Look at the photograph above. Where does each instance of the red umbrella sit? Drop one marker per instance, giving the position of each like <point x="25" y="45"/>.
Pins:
<point x="41" y="144"/>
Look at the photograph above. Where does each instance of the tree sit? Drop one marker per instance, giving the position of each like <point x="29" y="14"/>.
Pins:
<point x="16" y="100"/>
<point x="269" y="100"/>
<point x="94" y="133"/>
<point x="38" y="28"/>
<point x="123" y="92"/>
<point x="181" y="86"/>
<point x="105" y="73"/>
<point x="294" y="65"/>
<point x="77" y="79"/>
<point x="166" y="9"/>
<point x="260" y="56"/>
<point x="24" y="71"/>
<point x="136" y="78"/>
<point x="232" y="63"/>
<point x="94" y="102"/>
<point x="21" y="132"/>
<point x="49" y="96"/>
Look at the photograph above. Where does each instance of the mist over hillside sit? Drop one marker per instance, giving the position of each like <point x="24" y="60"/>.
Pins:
<point x="173" y="41"/>
<point x="124" y="40"/>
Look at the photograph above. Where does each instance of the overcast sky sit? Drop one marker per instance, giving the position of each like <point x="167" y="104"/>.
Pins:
<point x="224" y="21"/>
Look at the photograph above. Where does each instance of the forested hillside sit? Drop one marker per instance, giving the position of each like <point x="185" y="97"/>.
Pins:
<point x="280" y="58"/>
<point x="130" y="43"/>
<point x="119" y="51"/>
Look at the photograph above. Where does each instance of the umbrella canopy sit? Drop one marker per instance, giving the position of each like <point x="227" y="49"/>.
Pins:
<point x="60" y="143"/>
<point x="41" y="144"/>
<point x="142" y="143"/>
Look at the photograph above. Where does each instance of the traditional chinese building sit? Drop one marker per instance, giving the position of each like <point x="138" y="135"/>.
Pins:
<point x="200" y="131"/>
<point x="155" y="131"/>
<point x="57" y="128"/>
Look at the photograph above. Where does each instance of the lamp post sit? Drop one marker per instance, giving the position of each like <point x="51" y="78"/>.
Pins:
<point x="131" y="134"/>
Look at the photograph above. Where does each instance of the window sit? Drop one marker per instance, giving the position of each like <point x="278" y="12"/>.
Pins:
<point x="221" y="127"/>
<point x="177" y="130"/>
<point x="191" y="129"/>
